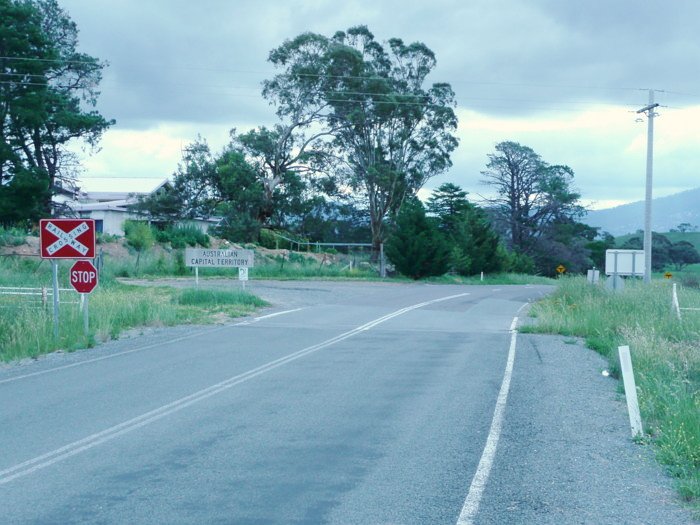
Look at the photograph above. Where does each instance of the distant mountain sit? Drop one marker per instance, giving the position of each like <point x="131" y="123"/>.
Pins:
<point x="667" y="212"/>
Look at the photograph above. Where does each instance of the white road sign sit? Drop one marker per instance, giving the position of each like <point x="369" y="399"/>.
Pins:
<point x="217" y="258"/>
<point x="243" y="274"/>
<point x="624" y="262"/>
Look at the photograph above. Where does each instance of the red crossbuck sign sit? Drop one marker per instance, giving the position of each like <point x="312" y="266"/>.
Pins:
<point x="67" y="238"/>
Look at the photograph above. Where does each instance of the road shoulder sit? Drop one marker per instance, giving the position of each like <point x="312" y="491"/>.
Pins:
<point x="578" y="464"/>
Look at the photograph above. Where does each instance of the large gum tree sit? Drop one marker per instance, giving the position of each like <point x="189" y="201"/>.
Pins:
<point x="376" y="124"/>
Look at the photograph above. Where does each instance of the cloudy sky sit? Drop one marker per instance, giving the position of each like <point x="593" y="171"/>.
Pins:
<point x="562" y="77"/>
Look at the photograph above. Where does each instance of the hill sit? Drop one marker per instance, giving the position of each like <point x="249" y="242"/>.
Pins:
<point x="692" y="237"/>
<point x="667" y="213"/>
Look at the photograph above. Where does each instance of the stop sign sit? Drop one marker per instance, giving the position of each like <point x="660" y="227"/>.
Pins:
<point x="83" y="276"/>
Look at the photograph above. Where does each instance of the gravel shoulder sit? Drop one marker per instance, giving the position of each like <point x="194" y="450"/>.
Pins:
<point x="566" y="454"/>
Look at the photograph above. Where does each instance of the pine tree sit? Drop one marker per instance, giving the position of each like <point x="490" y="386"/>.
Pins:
<point x="473" y="243"/>
<point x="416" y="247"/>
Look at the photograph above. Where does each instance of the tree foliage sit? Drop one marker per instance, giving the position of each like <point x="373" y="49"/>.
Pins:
<point x="664" y="252"/>
<point x="48" y="90"/>
<point x="531" y="194"/>
<point x="389" y="132"/>
<point x="416" y="247"/>
<point x="235" y="185"/>
<point x="473" y="244"/>
<point x="683" y="253"/>
<point x="535" y="208"/>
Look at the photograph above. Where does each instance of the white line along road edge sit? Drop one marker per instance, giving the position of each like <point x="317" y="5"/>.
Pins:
<point x="481" y="476"/>
<point x="59" y="454"/>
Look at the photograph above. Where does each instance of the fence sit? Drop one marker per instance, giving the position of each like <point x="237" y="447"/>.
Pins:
<point x="675" y="305"/>
<point x="349" y="245"/>
<point x="13" y="296"/>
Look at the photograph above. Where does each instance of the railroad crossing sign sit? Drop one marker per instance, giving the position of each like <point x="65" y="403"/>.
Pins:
<point x="67" y="238"/>
<point x="561" y="269"/>
<point x="83" y="276"/>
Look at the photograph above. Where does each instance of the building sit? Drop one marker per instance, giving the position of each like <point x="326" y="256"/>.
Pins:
<point x="110" y="202"/>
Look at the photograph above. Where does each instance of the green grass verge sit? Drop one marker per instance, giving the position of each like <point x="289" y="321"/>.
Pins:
<point x="26" y="327"/>
<point x="493" y="279"/>
<point x="665" y="354"/>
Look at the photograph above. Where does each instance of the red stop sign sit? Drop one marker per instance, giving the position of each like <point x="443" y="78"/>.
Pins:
<point x="83" y="276"/>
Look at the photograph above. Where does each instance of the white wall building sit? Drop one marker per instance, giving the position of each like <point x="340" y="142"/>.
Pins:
<point x="109" y="202"/>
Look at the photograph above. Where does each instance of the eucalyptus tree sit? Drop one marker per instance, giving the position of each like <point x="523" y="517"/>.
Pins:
<point x="530" y="194"/>
<point x="48" y="91"/>
<point x="378" y="127"/>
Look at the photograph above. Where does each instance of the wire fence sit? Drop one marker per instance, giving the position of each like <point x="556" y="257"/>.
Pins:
<point x="358" y="253"/>
<point x="23" y="296"/>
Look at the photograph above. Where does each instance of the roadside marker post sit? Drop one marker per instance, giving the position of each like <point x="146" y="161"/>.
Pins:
<point x="630" y="390"/>
<point x="675" y="306"/>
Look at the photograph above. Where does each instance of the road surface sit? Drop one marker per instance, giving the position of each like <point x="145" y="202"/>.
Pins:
<point x="344" y="403"/>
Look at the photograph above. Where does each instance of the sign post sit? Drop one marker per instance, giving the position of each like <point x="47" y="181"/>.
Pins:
<point x="65" y="239"/>
<point x="84" y="278"/>
<point x="243" y="275"/>
<point x="54" y="279"/>
<point x="220" y="258"/>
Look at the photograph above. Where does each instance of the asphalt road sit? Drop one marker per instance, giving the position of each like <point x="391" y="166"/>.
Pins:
<point x="344" y="403"/>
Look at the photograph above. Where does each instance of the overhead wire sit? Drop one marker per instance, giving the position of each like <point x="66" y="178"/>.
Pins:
<point x="492" y="103"/>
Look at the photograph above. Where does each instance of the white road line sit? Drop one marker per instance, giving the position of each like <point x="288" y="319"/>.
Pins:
<point x="59" y="454"/>
<point x="481" y="477"/>
<point x="146" y="347"/>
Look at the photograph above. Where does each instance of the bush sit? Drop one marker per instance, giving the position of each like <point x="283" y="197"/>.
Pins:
<point x="514" y="262"/>
<point x="269" y="240"/>
<point x="182" y="236"/>
<point x="139" y="235"/>
<point x="12" y="237"/>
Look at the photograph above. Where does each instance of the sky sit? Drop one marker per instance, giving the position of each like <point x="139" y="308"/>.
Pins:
<point x="564" y="78"/>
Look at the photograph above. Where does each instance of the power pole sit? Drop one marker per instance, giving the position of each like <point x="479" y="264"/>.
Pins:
<point x="649" y="110"/>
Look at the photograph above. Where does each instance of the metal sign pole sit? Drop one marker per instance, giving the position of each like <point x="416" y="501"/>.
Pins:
<point x="86" y="320"/>
<point x="382" y="263"/>
<point x="54" y="271"/>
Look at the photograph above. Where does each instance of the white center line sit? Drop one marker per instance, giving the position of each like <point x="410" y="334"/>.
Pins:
<point x="59" y="454"/>
<point x="481" y="477"/>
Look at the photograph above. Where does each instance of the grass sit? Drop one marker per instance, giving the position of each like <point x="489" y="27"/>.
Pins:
<point x="665" y="354"/>
<point x="26" y="327"/>
<point x="493" y="279"/>
<point x="291" y="266"/>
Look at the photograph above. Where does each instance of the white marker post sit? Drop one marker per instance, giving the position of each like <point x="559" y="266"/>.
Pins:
<point x="675" y="306"/>
<point x="630" y="391"/>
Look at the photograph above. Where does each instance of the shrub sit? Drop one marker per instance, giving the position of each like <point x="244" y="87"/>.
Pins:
<point x="12" y="237"/>
<point x="182" y="236"/>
